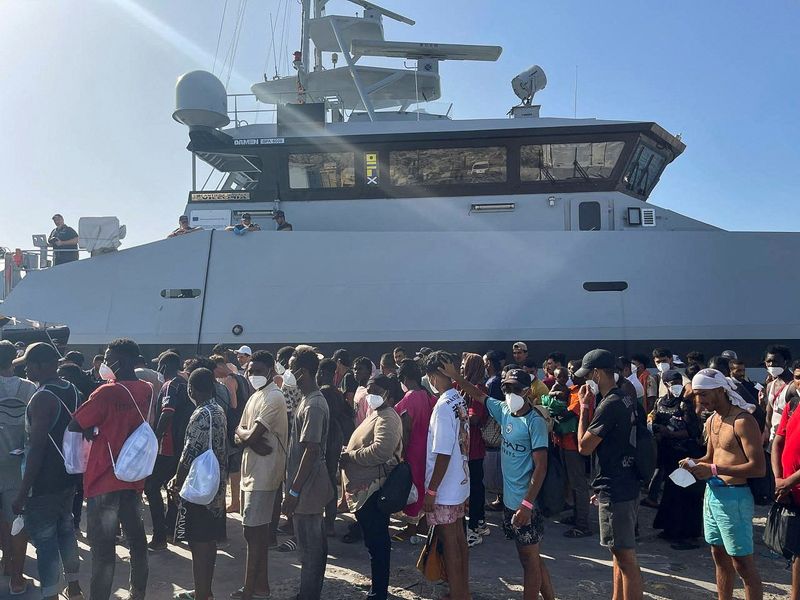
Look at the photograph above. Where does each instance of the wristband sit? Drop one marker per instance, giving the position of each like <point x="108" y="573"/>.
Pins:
<point x="431" y="493"/>
<point x="714" y="470"/>
<point x="526" y="504"/>
<point x="294" y="494"/>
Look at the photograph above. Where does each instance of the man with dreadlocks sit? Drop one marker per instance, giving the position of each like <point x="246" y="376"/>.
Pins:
<point x="733" y="454"/>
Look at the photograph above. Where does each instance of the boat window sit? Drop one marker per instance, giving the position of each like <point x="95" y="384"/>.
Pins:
<point x="643" y="170"/>
<point x="446" y="166"/>
<point x="561" y="162"/>
<point x="589" y="216"/>
<point x="321" y="170"/>
<point x="605" y="286"/>
<point x="176" y="293"/>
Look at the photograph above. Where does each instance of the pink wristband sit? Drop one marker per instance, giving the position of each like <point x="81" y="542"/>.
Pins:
<point x="714" y="470"/>
<point x="526" y="504"/>
<point x="431" y="493"/>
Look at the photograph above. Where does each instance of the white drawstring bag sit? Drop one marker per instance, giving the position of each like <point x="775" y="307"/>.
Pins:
<point x="74" y="448"/>
<point x="138" y="455"/>
<point x="202" y="483"/>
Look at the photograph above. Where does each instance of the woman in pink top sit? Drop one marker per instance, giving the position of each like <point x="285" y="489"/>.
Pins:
<point x="415" y="412"/>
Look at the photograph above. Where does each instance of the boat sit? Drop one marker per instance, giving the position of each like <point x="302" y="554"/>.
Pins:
<point x="413" y="228"/>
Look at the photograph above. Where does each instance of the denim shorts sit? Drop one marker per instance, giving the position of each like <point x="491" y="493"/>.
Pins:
<point x="618" y="524"/>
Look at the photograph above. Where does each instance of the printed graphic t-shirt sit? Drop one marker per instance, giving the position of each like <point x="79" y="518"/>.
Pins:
<point x="449" y="434"/>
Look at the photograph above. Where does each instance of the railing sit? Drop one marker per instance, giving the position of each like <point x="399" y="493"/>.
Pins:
<point x="252" y="105"/>
<point x="15" y="264"/>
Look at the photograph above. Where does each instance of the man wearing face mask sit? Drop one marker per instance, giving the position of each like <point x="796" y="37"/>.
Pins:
<point x="263" y="433"/>
<point x="776" y="359"/>
<point x="665" y="361"/>
<point x="173" y="410"/>
<point x="524" y="459"/>
<point x="616" y="483"/>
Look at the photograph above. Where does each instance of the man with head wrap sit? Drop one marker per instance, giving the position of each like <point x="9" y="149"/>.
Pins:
<point x="733" y="454"/>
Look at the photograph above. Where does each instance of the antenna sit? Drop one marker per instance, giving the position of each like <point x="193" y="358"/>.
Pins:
<point x="575" y="100"/>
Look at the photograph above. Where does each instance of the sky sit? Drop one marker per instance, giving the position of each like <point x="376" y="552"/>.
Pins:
<point x="88" y="94"/>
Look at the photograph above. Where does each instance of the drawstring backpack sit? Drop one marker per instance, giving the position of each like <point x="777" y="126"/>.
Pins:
<point x="138" y="455"/>
<point x="202" y="483"/>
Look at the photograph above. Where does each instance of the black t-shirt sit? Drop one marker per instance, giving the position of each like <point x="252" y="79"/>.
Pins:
<point x="174" y="398"/>
<point x="67" y="253"/>
<point x="616" y="479"/>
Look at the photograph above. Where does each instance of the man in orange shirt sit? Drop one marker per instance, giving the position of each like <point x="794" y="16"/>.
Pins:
<point x="566" y="438"/>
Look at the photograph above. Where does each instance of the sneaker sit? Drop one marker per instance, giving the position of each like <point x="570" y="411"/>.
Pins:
<point x="482" y="528"/>
<point x="157" y="546"/>
<point x="473" y="539"/>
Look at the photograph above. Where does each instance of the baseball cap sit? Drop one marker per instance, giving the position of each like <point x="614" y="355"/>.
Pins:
<point x="520" y="346"/>
<point x="38" y="353"/>
<point x="246" y="216"/>
<point x="729" y="354"/>
<point x="73" y="356"/>
<point x="278" y="213"/>
<point x="245" y="350"/>
<point x="595" y="359"/>
<point x="517" y="376"/>
<point x="671" y="375"/>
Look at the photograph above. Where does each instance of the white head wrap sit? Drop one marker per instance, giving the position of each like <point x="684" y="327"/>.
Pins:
<point x="711" y="379"/>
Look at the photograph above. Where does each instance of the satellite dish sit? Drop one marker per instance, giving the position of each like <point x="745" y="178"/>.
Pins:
<point x="527" y="83"/>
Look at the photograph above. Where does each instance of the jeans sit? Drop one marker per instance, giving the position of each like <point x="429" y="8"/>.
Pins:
<point x="477" y="493"/>
<point x="164" y="470"/>
<point x="578" y="481"/>
<point x="77" y="502"/>
<point x="104" y="515"/>
<point x="48" y="520"/>
<point x="375" y="526"/>
<point x="312" y="544"/>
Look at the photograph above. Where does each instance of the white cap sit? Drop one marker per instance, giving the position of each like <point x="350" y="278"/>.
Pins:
<point x="245" y="350"/>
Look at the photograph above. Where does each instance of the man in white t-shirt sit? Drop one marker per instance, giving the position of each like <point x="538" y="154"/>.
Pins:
<point x="777" y="360"/>
<point x="447" y="473"/>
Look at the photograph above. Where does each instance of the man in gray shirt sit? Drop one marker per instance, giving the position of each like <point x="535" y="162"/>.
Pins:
<point x="309" y="488"/>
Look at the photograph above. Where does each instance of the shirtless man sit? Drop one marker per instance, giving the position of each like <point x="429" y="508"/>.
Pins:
<point x="733" y="455"/>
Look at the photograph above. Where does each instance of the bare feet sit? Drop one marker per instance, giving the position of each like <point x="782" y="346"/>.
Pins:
<point x="232" y="509"/>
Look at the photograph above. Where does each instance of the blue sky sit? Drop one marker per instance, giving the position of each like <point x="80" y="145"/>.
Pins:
<point x="88" y="93"/>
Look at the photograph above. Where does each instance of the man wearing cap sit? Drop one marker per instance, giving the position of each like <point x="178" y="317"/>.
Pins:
<point x="243" y="355"/>
<point x="524" y="461"/>
<point x="280" y="219"/>
<point x="520" y="353"/>
<point x="47" y="490"/>
<point x="733" y="454"/>
<point x="183" y="227"/>
<point x="244" y="226"/>
<point x="64" y="240"/>
<point x="616" y="483"/>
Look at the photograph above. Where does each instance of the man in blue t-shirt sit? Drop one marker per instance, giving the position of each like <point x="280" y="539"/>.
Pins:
<point x="524" y="460"/>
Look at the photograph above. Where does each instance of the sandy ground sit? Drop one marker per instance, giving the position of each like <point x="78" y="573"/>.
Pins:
<point x="579" y="569"/>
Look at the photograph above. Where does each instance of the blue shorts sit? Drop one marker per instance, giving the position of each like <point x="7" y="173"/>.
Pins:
<point x="728" y="518"/>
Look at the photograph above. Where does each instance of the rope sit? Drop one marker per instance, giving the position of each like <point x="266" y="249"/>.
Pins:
<point x="219" y="35"/>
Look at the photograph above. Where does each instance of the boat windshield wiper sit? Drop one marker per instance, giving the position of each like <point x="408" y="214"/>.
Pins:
<point x="580" y="170"/>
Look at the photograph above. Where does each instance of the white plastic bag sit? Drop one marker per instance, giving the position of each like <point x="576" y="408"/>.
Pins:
<point x="138" y="455"/>
<point x="413" y="495"/>
<point x="76" y="450"/>
<point x="202" y="483"/>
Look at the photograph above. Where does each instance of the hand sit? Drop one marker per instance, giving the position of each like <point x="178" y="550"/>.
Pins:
<point x="278" y="380"/>
<point x="780" y="486"/>
<point x="236" y="439"/>
<point x="428" y="503"/>
<point x="172" y="486"/>
<point x="522" y="517"/>
<point x="261" y="447"/>
<point x="450" y="370"/>
<point x="593" y="500"/>
<point x="701" y="471"/>
<point x="585" y="395"/>
<point x="289" y="505"/>
<point x="18" y="505"/>
<point x="57" y="242"/>
<point x="682" y="463"/>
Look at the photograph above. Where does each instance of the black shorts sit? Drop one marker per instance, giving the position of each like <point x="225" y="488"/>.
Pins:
<point x="235" y="461"/>
<point x="530" y="534"/>
<point x="200" y="524"/>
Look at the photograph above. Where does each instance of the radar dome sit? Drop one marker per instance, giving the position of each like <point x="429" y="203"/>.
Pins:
<point x="201" y="99"/>
<point x="527" y="83"/>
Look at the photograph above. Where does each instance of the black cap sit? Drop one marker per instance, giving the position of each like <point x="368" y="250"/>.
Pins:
<point x="595" y="359"/>
<point x="517" y="376"/>
<point x="671" y="375"/>
<point x="246" y="216"/>
<point x="278" y="213"/>
<point x="38" y="353"/>
<point x="73" y="356"/>
<point x="8" y="352"/>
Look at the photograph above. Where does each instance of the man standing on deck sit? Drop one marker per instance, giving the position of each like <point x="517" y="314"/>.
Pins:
<point x="733" y="455"/>
<point x="64" y="240"/>
<point x="183" y="227"/>
<point x="280" y="219"/>
<point x="616" y="483"/>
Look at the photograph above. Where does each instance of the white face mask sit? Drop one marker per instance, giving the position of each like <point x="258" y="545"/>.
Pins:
<point x="106" y="373"/>
<point x="593" y="387"/>
<point x="514" y="402"/>
<point x="257" y="381"/>
<point x="374" y="401"/>
<point x="404" y="387"/>
<point x="279" y="368"/>
<point x="433" y="387"/>
<point x="663" y="367"/>
<point x="616" y="377"/>
<point x="676" y="389"/>
<point x="634" y="369"/>
<point x="775" y="371"/>
<point x="289" y="378"/>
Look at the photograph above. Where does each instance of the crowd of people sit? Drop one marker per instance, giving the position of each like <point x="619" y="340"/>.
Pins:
<point x="304" y="437"/>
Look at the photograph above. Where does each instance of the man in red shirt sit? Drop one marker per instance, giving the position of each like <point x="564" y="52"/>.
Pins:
<point x="111" y="414"/>
<point x="786" y="460"/>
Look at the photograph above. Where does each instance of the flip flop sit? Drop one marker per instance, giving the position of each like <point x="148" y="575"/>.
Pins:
<point x="577" y="533"/>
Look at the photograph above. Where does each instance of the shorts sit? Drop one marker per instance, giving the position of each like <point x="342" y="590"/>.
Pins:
<point x="202" y="525"/>
<point x="256" y="507"/>
<point x="235" y="462"/>
<point x="728" y="518"/>
<point x="445" y="514"/>
<point x="618" y="524"/>
<point x="527" y="535"/>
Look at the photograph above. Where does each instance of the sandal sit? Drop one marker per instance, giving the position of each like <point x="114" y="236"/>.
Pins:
<point x="289" y="545"/>
<point x="577" y="532"/>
